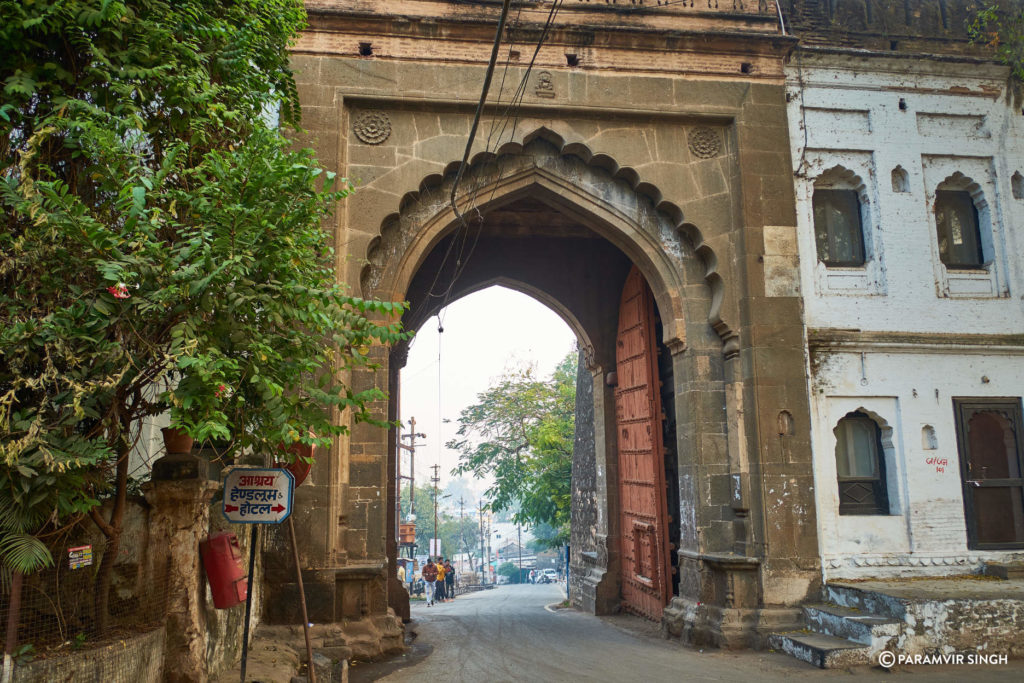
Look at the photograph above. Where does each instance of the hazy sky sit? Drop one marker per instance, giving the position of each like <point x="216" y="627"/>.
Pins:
<point x="484" y="334"/>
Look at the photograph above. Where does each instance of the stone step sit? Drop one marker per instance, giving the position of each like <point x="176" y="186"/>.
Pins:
<point x="865" y="601"/>
<point x="1004" y="570"/>
<point x="824" y="652"/>
<point x="853" y="624"/>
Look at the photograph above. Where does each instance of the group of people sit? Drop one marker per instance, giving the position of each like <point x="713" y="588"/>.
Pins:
<point x="438" y="580"/>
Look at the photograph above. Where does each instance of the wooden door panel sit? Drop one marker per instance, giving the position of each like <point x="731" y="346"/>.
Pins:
<point x="992" y="464"/>
<point x="645" y="560"/>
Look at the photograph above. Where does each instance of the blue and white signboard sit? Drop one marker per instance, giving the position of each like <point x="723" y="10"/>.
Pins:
<point x="258" y="496"/>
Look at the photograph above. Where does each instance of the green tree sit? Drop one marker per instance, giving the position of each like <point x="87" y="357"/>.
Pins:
<point x="162" y="250"/>
<point x="510" y="570"/>
<point x="521" y="432"/>
<point x="999" y="24"/>
<point x="457" y="536"/>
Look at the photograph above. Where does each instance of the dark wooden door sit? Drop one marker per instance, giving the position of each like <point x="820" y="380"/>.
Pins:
<point x="645" y="555"/>
<point x="989" y="439"/>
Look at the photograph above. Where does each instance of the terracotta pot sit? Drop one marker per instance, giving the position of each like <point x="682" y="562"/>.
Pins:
<point x="176" y="440"/>
<point x="299" y="469"/>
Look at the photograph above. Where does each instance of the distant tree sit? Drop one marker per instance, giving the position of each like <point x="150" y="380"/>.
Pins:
<point x="456" y="536"/>
<point x="511" y="571"/>
<point x="546" y="536"/>
<point x="162" y="249"/>
<point x="521" y="432"/>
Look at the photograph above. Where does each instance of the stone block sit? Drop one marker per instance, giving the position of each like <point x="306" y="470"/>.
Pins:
<point x="355" y="73"/>
<point x="366" y="472"/>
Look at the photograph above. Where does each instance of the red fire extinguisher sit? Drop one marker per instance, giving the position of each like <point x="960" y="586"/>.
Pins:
<point x="222" y="560"/>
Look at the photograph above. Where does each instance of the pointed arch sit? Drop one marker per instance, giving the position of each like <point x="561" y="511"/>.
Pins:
<point x="591" y="187"/>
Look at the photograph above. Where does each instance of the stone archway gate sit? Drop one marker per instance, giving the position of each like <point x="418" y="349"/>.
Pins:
<point x="670" y="142"/>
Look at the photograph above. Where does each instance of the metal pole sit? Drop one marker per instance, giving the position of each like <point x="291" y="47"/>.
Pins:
<point x="519" y="530"/>
<point x="412" y="466"/>
<point x="435" y="479"/>
<point x="302" y="600"/>
<point x="462" y="528"/>
<point x="483" y="558"/>
<point x="248" y="599"/>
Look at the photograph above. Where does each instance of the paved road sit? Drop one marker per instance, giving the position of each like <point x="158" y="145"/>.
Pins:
<point x="506" y="634"/>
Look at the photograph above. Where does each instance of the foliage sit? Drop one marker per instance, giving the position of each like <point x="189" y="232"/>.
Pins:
<point x="511" y="571"/>
<point x="521" y="432"/>
<point x="546" y="536"/>
<point x="162" y="249"/>
<point x="999" y="24"/>
<point x="457" y="536"/>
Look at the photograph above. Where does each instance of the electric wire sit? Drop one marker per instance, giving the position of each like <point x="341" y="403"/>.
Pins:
<point x="511" y="112"/>
<point x="488" y="76"/>
<point x="480" y="106"/>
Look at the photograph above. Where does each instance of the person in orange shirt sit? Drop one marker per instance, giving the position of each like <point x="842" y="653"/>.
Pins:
<point x="441" y="595"/>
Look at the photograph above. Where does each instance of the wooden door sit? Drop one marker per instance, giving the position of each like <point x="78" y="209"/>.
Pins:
<point x="645" y="555"/>
<point x="989" y="439"/>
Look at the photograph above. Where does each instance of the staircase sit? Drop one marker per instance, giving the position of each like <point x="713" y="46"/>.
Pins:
<point x="858" y="620"/>
<point x="840" y="633"/>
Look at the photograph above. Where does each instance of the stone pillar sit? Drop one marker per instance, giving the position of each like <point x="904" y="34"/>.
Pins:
<point x="179" y="520"/>
<point x="398" y="597"/>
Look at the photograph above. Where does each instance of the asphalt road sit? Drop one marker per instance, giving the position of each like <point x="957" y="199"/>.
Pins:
<point x="508" y="634"/>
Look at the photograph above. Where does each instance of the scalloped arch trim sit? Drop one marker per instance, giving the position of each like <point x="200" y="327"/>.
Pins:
<point x="429" y="201"/>
<point x="840" y="177"/>
<point x="958" y="181"/>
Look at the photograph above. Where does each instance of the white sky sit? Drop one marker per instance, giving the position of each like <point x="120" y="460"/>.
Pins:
<point x="484" y="333"/>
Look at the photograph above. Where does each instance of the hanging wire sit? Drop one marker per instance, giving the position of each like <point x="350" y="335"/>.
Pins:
<point x="511" y="113"/>
<point x="440" y="438"/>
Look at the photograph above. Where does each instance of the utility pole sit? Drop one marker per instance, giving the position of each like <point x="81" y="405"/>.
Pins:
<point x="411" y="447"/>
<point x="436" y="479"/>
<point x="483" y="558"/>
<point x="519" y="530"/>
<point x="489" y="547"/>
<point x="462" y="534"/>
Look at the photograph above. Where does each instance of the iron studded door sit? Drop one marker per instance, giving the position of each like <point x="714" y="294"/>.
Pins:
<point x="645" y="559"/>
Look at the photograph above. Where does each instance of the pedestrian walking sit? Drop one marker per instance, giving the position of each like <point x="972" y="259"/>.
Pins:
<point x="429" y="580"/>
<point x="449" y="580"/>
<point x="441" y="594"/>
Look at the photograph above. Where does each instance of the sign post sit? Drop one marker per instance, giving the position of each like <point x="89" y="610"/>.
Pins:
<point x="256" y="496"/>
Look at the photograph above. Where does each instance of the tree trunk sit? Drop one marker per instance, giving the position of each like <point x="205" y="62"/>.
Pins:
<point x="112" y="530"/>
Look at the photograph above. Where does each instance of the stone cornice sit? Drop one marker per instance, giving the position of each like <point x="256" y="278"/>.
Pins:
<point x="458" y="37"/>
<point x="819" y="340"/>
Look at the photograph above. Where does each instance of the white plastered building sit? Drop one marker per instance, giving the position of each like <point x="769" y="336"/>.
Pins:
<point x="909" y="177"/>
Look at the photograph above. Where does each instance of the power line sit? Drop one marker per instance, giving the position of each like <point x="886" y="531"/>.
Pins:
<point x="480" y="105"/>
<point x="511" y="112"/>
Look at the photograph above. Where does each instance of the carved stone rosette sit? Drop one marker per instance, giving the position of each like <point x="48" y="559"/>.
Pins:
<point x="372" y="127"/>
<point x="705" y="143"/>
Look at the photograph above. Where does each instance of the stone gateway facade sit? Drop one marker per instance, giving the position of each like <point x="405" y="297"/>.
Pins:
<point x="644" y="138"/>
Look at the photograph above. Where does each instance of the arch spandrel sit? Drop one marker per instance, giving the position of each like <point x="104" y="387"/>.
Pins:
<point x="609" y="199"/>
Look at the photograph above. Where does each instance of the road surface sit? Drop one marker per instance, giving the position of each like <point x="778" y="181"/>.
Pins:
<point x="512" y="633"/>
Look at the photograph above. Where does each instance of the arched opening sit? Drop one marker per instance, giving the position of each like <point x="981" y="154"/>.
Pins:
<point x="568" y="234"/>
<point x="536" y="249"/>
